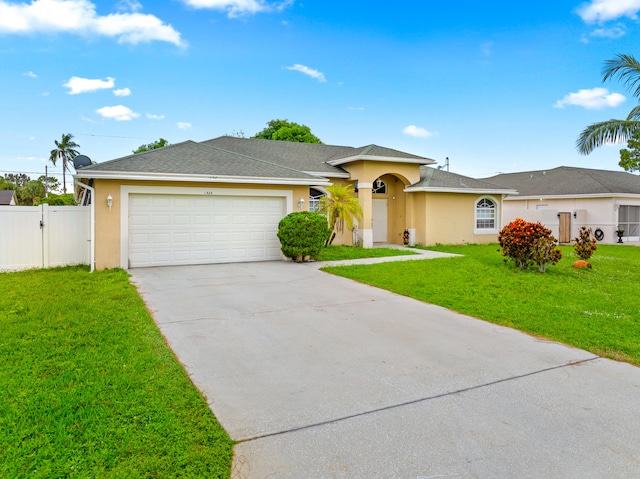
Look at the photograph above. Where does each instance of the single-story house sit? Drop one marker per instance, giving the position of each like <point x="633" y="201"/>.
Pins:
<point x="221" y="200"/>
<point x="8" y="198"/>
<point x="566" y="198"/>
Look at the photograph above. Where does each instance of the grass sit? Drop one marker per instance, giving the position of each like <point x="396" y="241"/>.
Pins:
<point x="88" y="387"/>
<point x="596" y="310"/>
<point x="336" y="253"/>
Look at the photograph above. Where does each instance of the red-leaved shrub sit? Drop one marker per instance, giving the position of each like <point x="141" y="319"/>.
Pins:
<point x="529" y="243"/>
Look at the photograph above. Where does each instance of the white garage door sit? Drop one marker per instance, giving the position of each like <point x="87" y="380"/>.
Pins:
<point x="182" y="229"/>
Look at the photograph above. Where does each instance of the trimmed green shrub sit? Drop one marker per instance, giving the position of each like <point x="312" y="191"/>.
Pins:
<point x="529" y="243"/>
<point x="584" y="245"/>
<point x="303" y="234"/>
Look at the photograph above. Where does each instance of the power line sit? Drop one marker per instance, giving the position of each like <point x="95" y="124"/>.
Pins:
<point x="113" y="136"/>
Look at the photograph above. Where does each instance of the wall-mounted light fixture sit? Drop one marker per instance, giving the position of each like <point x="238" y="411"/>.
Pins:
<point x="109" y="201"/>
<point x="575" y="214"/>
<point x="300" y="203"/>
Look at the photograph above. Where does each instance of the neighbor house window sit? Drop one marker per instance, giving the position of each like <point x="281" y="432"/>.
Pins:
<point x="629" y="219"/>
<point x="485" y="215"/>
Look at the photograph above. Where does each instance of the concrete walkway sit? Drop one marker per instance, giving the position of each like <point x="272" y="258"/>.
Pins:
<point x="316" y="376"/>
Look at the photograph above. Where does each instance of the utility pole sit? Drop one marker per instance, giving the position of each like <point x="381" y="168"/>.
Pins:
<point x="46" y="181"/>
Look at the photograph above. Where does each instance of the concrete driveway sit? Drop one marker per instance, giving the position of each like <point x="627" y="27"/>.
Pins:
<point x="316" y="376"/>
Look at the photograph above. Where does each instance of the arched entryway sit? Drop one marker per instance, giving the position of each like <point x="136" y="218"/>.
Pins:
<point x="388" y="209"/>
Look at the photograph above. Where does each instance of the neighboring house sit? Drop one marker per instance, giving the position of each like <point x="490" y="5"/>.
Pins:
<point x="8" y="198"/>
<point x="221" y="200"/>
<point x="566" y="198"/>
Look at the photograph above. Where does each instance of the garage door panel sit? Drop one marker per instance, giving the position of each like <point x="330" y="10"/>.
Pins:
<point x="172" y="229"/>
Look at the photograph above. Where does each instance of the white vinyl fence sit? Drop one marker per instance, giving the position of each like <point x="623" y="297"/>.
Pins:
<point x="44" y="236"/>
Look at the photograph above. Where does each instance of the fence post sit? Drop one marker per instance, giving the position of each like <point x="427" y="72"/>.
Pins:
<point x="44" y="227"/>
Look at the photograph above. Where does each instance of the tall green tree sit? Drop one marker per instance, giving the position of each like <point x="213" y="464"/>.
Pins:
<point x="65" y="150"/>
<point x="285" y="130"/>
<point x="161" y="143"/>
<point x="18" y="179"/>
<point x="341" y="208"/>
<point x="630" y="156"/>
<point x="626" y="69"/>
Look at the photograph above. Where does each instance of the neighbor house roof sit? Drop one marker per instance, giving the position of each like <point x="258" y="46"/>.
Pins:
<point x="8" y="198"/>
<point x="569" y="181"/>
<point x="235" y="159"/>
<point x="435" y="180"/>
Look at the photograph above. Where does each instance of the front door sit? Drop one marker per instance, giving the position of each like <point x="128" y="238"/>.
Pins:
<point x="379" y="220"/>
<point x="565" y="228"/>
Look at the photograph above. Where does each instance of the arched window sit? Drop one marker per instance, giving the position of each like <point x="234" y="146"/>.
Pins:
<point x="379" y="187"/>
<point x="486" y="216"/>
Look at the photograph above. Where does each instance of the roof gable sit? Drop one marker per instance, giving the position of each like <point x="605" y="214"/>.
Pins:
<point x="8" y="198"/>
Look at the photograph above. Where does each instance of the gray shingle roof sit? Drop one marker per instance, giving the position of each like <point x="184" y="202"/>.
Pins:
<point x="191" y="158"/>
<point x="6" y="196"/>
<point x="242" y="157"/>
<point x="568" y="181"/>
<point x="440" y="179"/>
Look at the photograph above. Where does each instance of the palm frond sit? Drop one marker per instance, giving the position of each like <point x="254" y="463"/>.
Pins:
<point x="626" y="69"/>
<point x="634" y="114"/>
<point x="605" y="132"/>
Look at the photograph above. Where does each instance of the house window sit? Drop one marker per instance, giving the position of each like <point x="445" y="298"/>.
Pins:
<point x="379" y="187"/>
<point x="485" y="216"/>
<point x="314" y="199"/>
<point x="629" y="219"/>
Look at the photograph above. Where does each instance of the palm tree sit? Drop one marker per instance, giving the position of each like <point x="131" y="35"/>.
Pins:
<point x="627" y="69"/>
<point x="341" y="208"/>
<point x="64" y="150"/>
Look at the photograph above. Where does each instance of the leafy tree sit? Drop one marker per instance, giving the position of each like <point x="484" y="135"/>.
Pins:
<point x="284" y="130"/>
<point x="18" y="179"/>
<point x="66" y="151"/>
<point x="627" y="69"/>
<point x="341" y="208"/>
<point x="161" y="143"/>
<point x="58" y="200"/>
<point x="630" y="158"/>
<point x="6" y="184"/>
<point x="51" y="183"/>
<point x="31" y="193"/>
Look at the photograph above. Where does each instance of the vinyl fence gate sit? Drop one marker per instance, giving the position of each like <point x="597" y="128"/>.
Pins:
<point x="44" y="236"/>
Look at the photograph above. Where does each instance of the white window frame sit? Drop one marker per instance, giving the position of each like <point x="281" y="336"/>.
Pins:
<point x="496" y="216"/>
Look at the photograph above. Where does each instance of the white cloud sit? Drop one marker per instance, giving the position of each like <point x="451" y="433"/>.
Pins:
<point x="418" y="132"/>
<point x="236" y="8"/>
<point x="593" y="99"/>
<point x="155" y="117"/>
<point x="118" y="113"/>
<point x="308" y="71"/>
<point x="80" y="17"/>
<point x="84" y="85"/>
<point x="30" y="74"/>
<point x="356" y="108"/>
<point x="122" y="92"/>
<point x="614" y="32"/>
<point x="183" y="125"/>
<point x="599" y="11"/>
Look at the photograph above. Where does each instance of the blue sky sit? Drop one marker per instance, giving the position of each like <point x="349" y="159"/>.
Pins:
<point x="495" y="86"/>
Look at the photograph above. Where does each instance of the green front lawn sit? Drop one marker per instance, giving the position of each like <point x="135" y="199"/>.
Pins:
<point x="88" y="387"/>
<point x="597" y="310"/>
<point x="336" y="253"/>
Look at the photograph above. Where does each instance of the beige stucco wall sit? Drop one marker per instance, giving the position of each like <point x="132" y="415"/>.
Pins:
<point x="108" y="223"/>
<point x="600" y="212"/>
<point x="448" y="218"/>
